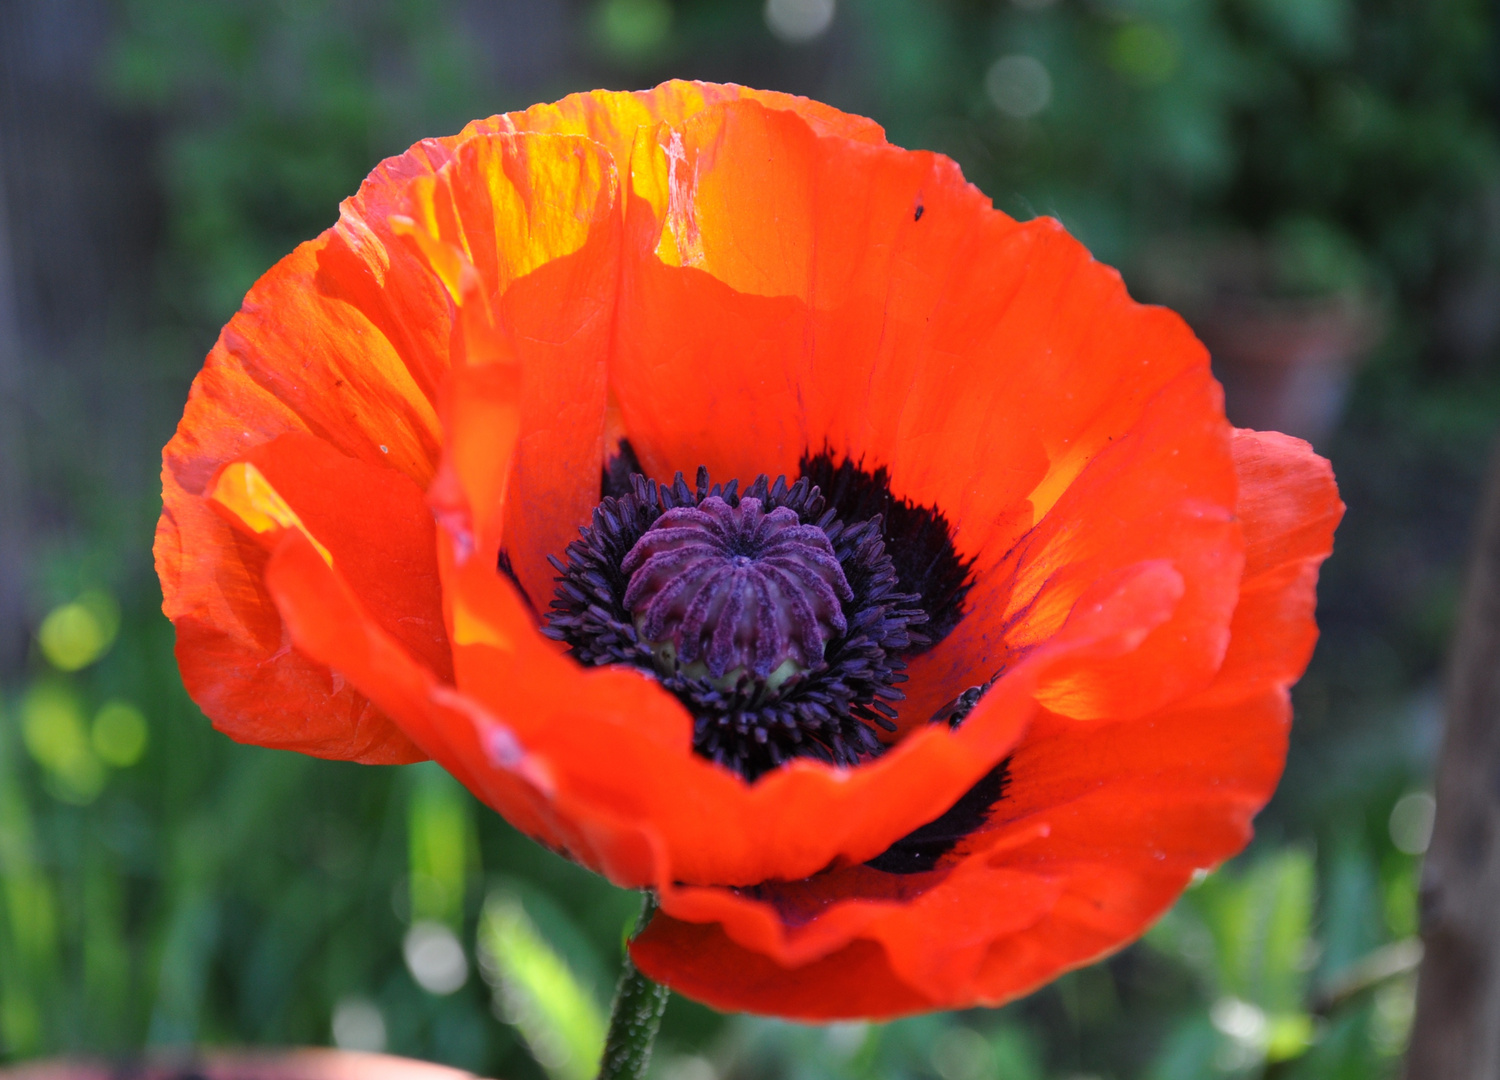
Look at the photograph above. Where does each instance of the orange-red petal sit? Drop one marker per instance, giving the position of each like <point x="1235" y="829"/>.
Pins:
<point x="613" y="119"/>
<point x="347" y="339"/>
<point x="710" y="825"/>
<point x="806" y="293"/>
<point x="1165" y="488"/>
<point x="602" y="731"/>
<point x="293" y="360"/>
<point x="372" y="523"/>
<point x="1101" y="826"/>
<point x="525" y="231"/>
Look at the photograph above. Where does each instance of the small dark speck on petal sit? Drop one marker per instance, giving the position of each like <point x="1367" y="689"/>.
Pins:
<point x="920" y="211"/>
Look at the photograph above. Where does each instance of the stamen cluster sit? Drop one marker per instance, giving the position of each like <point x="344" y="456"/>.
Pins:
<point x="778" y="625"/>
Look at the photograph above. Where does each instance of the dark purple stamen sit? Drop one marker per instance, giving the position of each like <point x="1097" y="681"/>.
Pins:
<point x="736" y="590"/>
<point x="781" y="626"/>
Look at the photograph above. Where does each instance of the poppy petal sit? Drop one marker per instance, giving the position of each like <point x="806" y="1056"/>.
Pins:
<point x="1165" y="489"/>
<point x="236" y="660"/>
<point x="332" y="623"/>
<point x="348" y="386"/>
<point x="1100" y="827"/>
<point x="844" y="291"/>
<point x="613" y="119"/>
<point x="772" y="273"/>
<point x="786" y="284"/>
<point x="372" y="522"/>
<point x="525" y="232"/>
<point x="1289" y="507"/>
<point x="694" y="959"/>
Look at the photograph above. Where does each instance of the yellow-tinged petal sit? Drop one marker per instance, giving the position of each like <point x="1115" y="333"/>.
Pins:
<point x="472" y="628"/>
<point x="243" y="490"/>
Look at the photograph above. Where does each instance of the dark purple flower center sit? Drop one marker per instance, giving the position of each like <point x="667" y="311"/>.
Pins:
<point x="781" y="624"/>
<point x="736" y="592"/>
<point x="779" y="617"/>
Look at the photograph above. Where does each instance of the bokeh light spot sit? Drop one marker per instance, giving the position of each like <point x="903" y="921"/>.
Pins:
<point x="689" y="1067"/>
<point x="798" y="21"/>
<point x="1240" y="1020"/>
<point x="634" y="29"/>
<point x="358" y="1024"/>
<point x="1145" y="53"/>
<point x="53" y="729"/>
<point x="435" y="958"/>
<point x="1411" y="822"/>
<point x="120" y="734"/>
<point x="76" y="634"/>
<point x="846" y="1038"/>
<point x="1019" y="86"/>
<point x="961" y="1053"/>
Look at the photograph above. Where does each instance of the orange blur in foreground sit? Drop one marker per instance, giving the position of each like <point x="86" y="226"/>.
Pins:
<point x="740" y="279"/>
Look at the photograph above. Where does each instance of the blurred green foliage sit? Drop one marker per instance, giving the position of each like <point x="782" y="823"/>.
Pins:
<point x="537" y="990"/>
<point x="276" y="112"/>
<point x="161" y="886"/>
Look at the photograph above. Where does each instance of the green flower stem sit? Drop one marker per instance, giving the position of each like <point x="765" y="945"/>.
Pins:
<point x="636" y="1016"/>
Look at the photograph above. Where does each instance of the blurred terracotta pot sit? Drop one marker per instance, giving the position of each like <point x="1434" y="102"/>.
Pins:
<point x="249" y="1065"/>
<point x="1286" y="364"/>
<point x="1286" y="357"/>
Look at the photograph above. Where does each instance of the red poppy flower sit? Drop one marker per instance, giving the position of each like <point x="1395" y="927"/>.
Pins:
<point x="966" y="644"/>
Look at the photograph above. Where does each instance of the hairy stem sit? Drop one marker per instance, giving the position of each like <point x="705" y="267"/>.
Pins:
<point x="635" y="1017"/>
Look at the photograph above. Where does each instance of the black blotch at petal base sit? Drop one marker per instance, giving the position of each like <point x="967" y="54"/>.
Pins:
<point x="918" y="538"/>
<point x="919" y="850"/>
<point x="504" y="565"/>
<point x="614" y="478"/>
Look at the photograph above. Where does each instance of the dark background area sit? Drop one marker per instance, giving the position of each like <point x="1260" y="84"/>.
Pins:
<point x="1314" y="183"/>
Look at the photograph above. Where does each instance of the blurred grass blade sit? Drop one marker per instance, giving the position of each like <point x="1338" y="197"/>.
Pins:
<point x="1260" y="917"/>
<point x="538" y="993"/>
<point x="440" y="837"/>
<point x="29" y="968"/>
<point x="1286" y="888"/>
<point x="186" y="954"/>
